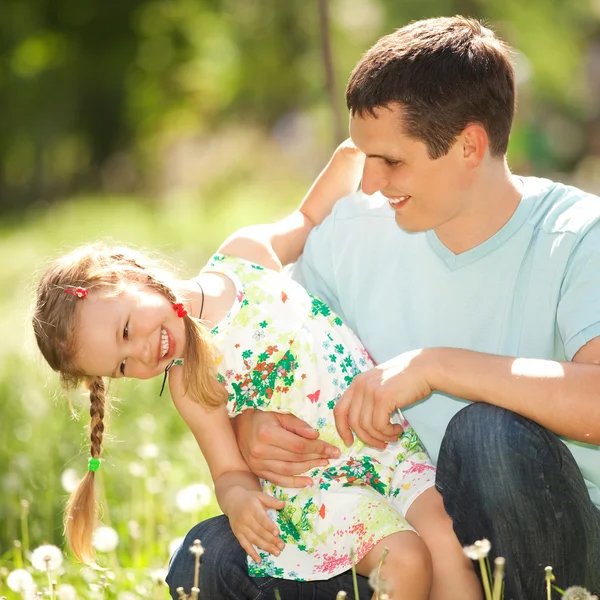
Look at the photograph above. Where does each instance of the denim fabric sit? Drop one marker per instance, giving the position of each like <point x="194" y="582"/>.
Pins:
<point x="507" y="479"/>
<point x="224" y="572"/>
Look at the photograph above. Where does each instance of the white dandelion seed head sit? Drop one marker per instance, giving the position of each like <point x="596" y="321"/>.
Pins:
<point x="197" y="549"/>
<point x="69" y="480"/>
<point x="479" y="550"/>
<point x="147" y="423"/>
<point x="65" y="591"/>
<point x="174" y="545"/>
<point x="46" y="558"/>
<point x="88" y="574"/>
<point x="20" y="581"/>
<point x="159" y="576"/>
<point x="154" y="485"/>
<point x="377" y="583"/>
<point x="577" y="593"/>
<point x="193" y="498"/>
<point x="105" y="539"/>
<point x="137" y="469"/>
<point x="148" y="451"/>
<point x="135" y="531"/>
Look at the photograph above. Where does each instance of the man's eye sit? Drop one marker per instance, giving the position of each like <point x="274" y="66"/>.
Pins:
<point x="122" y="368"/>
<point x="126" y="332"/>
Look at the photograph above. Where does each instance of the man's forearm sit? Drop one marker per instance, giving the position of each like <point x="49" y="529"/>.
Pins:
<point x="563" y="397"/>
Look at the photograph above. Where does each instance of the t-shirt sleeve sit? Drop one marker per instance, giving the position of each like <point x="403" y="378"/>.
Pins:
<point x="578" y="314"/>
<point x="315" y="269"/>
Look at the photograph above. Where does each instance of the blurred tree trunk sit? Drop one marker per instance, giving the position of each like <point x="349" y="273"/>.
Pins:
<point x="328" y="67"/>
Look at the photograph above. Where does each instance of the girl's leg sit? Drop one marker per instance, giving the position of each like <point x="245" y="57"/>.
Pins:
<point x="406" y="569"/>
<point x="453" y="577"/>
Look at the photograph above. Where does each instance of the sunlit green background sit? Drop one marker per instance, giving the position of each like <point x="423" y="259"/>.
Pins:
<point x="168" y="124"/>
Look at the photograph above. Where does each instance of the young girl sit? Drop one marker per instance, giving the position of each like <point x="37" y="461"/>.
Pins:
<point x="241" y="335"/>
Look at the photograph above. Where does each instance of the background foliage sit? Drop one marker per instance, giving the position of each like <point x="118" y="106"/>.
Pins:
<point x="167" y="124"/>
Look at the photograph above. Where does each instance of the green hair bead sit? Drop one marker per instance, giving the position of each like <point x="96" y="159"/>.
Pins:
<point x="93" y="464"/>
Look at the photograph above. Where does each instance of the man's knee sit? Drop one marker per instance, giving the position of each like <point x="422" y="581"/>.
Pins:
<point x="486" y="436"/>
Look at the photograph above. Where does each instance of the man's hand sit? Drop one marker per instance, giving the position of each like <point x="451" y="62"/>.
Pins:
<point x="367" y="405"/>
<point x="278" y="447"/>
<point x="252" y="525"/>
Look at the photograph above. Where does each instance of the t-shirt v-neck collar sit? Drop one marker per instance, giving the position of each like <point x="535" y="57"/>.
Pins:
<point x="457" y="261"/>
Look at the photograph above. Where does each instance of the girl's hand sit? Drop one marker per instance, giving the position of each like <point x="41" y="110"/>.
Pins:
<point x="251" y="524"/>
<point x="349" y="152"/>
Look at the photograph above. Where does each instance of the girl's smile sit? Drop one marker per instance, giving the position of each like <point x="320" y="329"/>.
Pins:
<point x="135" y="333"/>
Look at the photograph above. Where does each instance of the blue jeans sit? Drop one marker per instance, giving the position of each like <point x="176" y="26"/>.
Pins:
<point x="502" y="477"/>
<point x="505" y="478"/>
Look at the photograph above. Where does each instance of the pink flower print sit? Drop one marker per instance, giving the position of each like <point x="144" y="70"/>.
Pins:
<point x="229" y="373"/>
<point x="420" y="467"/>
<point x="248" y="388"/>
<point x="240" y="296"/>
<point x="330" y="563"/>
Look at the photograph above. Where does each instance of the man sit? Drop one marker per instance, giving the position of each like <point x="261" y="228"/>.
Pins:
<point x="478" y="294"/>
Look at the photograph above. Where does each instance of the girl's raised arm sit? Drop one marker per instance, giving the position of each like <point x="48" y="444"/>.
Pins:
<point x="278" y="244"/>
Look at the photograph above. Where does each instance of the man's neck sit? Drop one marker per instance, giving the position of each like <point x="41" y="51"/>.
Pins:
<point x="494" y="198"/>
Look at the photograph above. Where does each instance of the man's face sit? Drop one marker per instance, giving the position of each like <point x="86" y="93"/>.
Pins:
<point x="424" y="193"/>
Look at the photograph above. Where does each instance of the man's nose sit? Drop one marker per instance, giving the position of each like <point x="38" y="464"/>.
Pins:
<point x="373" y="178"/>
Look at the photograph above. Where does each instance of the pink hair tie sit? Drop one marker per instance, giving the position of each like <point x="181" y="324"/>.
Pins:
<point x="79" y="292"/>
<point x="179" y="309"/>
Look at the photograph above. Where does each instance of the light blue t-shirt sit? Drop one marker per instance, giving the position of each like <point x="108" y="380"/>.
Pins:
<point x="532" y="290"/>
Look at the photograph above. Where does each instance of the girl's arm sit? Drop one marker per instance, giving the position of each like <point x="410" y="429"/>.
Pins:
<point x="278" y="244"/>
<point x="237" y="490"/>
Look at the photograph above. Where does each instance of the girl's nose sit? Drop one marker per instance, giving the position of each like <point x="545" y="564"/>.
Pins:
<point x="142" y="351"/>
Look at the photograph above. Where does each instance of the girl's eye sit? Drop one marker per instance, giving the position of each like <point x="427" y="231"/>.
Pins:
<point x="122" y="368"/>
<point x="391" y="163"/>
<point x="126" y="332"/>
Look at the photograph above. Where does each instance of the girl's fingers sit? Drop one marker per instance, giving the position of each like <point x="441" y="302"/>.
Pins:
<point x="292" y="481"/>
<point x="271" y="502"/>
<point x="260" y="538"/>
<point x="249" y="548"/>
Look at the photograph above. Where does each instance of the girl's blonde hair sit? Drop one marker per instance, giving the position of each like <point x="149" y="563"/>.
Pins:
<point x="107" y="268"/>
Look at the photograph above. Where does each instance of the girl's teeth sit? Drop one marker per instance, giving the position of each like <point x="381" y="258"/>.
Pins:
<point x="164" y="343"/>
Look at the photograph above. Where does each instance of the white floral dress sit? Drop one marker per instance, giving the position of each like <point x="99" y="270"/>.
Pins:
<point x="283" y="350"/>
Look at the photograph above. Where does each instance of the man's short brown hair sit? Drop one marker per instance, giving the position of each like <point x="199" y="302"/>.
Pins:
<point x="445" y="73"/>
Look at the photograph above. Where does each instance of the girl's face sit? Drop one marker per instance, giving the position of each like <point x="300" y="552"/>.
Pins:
<point x="133" y="334"/>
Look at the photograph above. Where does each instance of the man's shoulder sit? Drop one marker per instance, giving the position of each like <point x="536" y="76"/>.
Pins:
<point x="560" y="208"/>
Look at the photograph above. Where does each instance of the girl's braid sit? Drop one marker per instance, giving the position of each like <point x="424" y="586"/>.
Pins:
<point x="81" y="511"/>
<point x="97" y="400"/>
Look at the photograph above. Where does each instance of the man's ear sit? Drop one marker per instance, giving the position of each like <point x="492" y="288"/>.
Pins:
<point x="475" y="143"/>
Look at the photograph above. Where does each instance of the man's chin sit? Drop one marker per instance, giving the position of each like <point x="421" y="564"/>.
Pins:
<point x="409" y="225"/>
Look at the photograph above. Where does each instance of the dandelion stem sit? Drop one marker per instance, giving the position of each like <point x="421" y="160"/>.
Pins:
<point x="549" y="580"/>
<point x="25" y="526"/>
<point x="354" y="578"/>
<point x="485" y="578"/>
<point x="498" y="577"/>
<point x="17" y="554"/>
<point x="383" y="555"/>
<point x="50" y="582"/>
